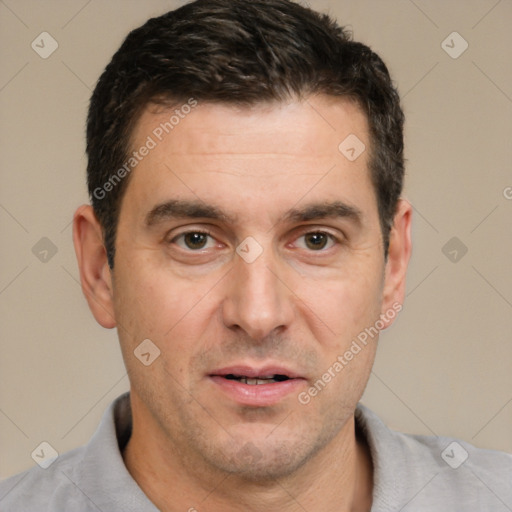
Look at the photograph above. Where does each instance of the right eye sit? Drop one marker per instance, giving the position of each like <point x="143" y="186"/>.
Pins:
<point x="194" y="240"/>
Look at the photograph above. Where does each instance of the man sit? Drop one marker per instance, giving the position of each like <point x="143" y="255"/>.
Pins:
<point x="248" y="240"/>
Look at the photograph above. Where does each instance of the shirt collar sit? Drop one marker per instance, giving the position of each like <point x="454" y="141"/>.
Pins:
<point x="105" y="476"/>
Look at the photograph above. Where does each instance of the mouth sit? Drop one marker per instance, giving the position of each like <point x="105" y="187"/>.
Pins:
<point x="258" y="381"/>
<point x="259" y="387"/>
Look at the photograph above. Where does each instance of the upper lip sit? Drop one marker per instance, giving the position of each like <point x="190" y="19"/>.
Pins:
<point x="254" y="372"/>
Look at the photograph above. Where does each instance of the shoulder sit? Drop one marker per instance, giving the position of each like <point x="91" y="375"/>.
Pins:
<point x="421" y="472"/>
<point x="47" y="489"/>
<point x="89" y="478"/>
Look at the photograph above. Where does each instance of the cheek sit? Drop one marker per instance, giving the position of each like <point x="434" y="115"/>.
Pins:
<point x="156" y="304"/>
<point x="341" y="304"/>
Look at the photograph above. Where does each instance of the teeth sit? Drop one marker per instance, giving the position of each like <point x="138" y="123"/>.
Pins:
<point x="256" y="382"/>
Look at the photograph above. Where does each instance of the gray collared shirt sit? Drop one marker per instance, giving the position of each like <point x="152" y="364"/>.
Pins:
<point x="411" y="473"/>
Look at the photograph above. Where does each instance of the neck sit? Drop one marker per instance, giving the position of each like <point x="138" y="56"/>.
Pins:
<point x="338" y="478"/>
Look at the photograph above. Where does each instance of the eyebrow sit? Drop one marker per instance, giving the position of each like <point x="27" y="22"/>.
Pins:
<point x="318" y="211"/>
<point x="180" y="209"/>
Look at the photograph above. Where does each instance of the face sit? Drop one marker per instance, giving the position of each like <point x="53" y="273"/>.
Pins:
<point x="249" y="251"/>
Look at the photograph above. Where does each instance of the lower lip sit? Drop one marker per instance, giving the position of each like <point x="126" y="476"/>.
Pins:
<point x="258" y="395"/>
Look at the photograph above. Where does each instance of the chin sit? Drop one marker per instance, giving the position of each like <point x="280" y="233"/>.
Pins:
<point x="263" y="459"/>
<point x="264" y="464"/>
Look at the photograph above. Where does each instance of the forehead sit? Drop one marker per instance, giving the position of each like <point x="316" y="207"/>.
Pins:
<point x="271" y="151"/>
<point x="308" y="127"/>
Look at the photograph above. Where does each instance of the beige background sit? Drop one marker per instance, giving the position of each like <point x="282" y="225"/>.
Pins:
<point x="443" y="368"/>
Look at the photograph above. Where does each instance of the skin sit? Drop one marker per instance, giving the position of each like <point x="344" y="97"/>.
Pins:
<point x="298" y="304"/>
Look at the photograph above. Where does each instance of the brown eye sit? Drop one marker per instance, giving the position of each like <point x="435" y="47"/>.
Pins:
<point x="316" y="241"/>
<point x="194" y="241"/>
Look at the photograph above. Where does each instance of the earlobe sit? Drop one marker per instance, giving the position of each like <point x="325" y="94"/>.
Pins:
<point x="399" y="254"/>
<point x="95" y="274"/>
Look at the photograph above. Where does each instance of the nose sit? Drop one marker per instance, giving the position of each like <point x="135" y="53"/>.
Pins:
<point x="258" y="300"/>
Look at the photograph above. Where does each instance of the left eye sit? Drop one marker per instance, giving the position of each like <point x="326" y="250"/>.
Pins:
<point x="316" y="241"/>
<point x="194" y="240"/>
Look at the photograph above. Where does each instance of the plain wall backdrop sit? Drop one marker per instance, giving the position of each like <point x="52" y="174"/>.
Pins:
<point x="444" y="368"/>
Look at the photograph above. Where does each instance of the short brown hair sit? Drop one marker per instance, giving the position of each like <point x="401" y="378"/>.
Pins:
<point x="238" y="52"/>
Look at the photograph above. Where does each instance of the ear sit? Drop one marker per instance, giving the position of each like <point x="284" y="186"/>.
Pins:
<point x="95" y="274"/>
<point x="399" y="253"/>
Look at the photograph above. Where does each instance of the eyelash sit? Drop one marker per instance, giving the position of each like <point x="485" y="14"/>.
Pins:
<point x="193" y="231"/>
<point x="331" y="237"/>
